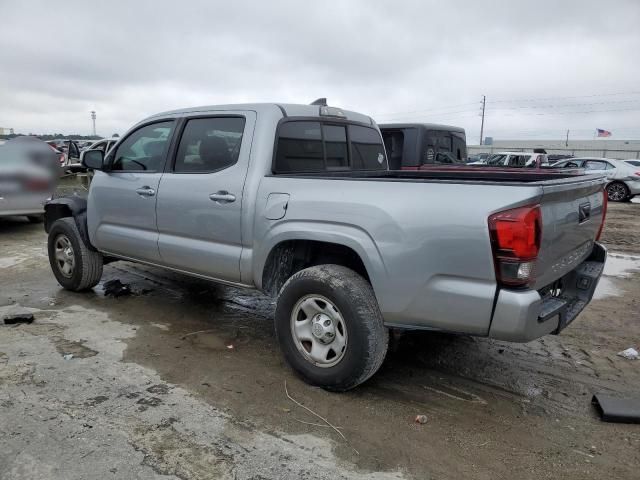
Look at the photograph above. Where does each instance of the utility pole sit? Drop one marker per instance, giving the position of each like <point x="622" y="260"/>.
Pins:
<point x="93" y="118"/>
<point x="484" y="101"/>
<point x="566" y="142"/>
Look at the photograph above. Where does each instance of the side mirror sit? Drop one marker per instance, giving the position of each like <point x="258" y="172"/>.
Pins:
<point x="93" y="159"/>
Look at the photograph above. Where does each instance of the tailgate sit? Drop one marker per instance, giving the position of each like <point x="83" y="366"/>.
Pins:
<point x="572" y="212"/>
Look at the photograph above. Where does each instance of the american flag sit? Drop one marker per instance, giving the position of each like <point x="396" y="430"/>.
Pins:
<point x="603" y="133"/>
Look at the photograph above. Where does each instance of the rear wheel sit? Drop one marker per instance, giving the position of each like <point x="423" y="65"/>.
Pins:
<point x="617" y="191"/>
<point x="75" y="266"/>
<point x="330" y="328"/>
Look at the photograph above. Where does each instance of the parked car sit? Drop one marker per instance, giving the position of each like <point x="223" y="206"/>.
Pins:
<point x="59" y="144"/>
<point x="634" y="163"/>
<point x="516" y="160"/>
<point x="104" y="145"/>
<point x="556" y="157"/>
<point x="411" y="146"/>
<point x="623" y="179"/>
<point x="478" y="158"/>
<point x="28" y="170"/>
<point x="69" y="150"/>
<point x="298" y="202"/>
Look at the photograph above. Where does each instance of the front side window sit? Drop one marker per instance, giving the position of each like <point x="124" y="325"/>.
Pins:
<point x="144" y="150"/>
<point x="209" y="144"/>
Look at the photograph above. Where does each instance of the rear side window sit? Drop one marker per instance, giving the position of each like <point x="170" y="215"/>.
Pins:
<point x="597" y="165"/>
<point x="367" y="150"/>
<point x="335" y="142"/>
<point x="300" y="147"/>
<point x="307" y="146"/>
<point x="209" y="144"/>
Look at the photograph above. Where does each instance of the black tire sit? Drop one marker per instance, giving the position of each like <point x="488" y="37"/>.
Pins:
<point x="87" y="264"/>
<point x="367" y="337"/>
<point x="35" y="218"/>
<point x="617" y="192"/>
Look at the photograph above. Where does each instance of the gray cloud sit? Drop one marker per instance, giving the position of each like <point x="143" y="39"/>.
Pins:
<point x="131" y="59"/>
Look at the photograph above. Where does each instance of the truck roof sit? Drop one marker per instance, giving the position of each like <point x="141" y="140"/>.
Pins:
<point x="423" y="126"/>
<point x="286" y="110"/>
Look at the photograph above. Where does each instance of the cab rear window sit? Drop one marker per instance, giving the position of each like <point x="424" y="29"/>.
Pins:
<point x="309" y="146"/>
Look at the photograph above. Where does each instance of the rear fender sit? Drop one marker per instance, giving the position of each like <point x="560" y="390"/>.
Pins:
<point x="62" y="207"/>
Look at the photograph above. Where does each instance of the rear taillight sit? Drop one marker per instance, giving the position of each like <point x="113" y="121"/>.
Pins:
<point x="36" y="185"/>
<point x="637" y="173"/>
<point x="515" y="240"/>
<point x="605" y="202"/>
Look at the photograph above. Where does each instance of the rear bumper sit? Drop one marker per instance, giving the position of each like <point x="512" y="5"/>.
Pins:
<point x="524" y="315"/>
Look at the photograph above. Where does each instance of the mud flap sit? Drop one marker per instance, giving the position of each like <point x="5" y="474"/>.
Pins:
<point x="72" y="206"/>
<point x="617" y="410"/>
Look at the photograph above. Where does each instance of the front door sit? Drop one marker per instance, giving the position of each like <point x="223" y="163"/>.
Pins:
<point x="122" y="200"/>
<point x="200" y="196"/>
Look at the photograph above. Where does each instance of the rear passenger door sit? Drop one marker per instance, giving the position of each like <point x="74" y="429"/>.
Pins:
<point x="200" y="196"/>
<point x="597" y="166"/>
<point x="122" y="200"/>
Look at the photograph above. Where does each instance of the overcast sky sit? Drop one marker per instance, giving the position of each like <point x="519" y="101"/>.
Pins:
<point x="545" y="66"/>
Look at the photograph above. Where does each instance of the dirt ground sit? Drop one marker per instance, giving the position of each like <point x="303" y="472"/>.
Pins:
<point x="183" y="379"/>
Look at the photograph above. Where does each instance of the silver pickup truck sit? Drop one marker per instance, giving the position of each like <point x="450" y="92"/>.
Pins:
<point x="298" y="201"/>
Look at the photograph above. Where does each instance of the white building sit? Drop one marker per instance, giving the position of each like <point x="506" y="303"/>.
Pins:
<point x="600" y="147"/>
<point x="6" y="131"/>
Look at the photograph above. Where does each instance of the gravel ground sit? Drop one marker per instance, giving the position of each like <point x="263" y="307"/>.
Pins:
<point x="183" y="379"/>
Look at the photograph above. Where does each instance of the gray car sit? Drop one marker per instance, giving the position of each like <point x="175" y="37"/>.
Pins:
<point x="28" y="170"/>
<point x="298" y="201"/>
<point x="623" y="179"/>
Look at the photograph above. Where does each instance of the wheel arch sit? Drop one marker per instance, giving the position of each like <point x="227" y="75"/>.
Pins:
<point x="289" y="252"/>
<point x="75" y="207"/>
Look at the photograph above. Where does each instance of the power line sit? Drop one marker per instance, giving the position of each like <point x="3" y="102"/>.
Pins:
<point x="560" y="98"/>
<point x="565" y="113"/>
<point x="424" y="110"/>
<point x="435" y="115"/>
<point x="515" y="100"/>
<point x="568" y="105"/>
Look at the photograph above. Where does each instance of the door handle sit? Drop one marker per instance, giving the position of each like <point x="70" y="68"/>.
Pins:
<point x="223" y="197"/>
<point x="146" y="192"/>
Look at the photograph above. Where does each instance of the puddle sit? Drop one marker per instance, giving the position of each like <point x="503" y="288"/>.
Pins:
<point x="617" y="266"/>
<point x="7" y="262"/>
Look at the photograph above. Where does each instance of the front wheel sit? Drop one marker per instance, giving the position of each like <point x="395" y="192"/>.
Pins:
<point x="330" y="328"/>
<point x="75" y="266"/>
<point x="617" y="192"/>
